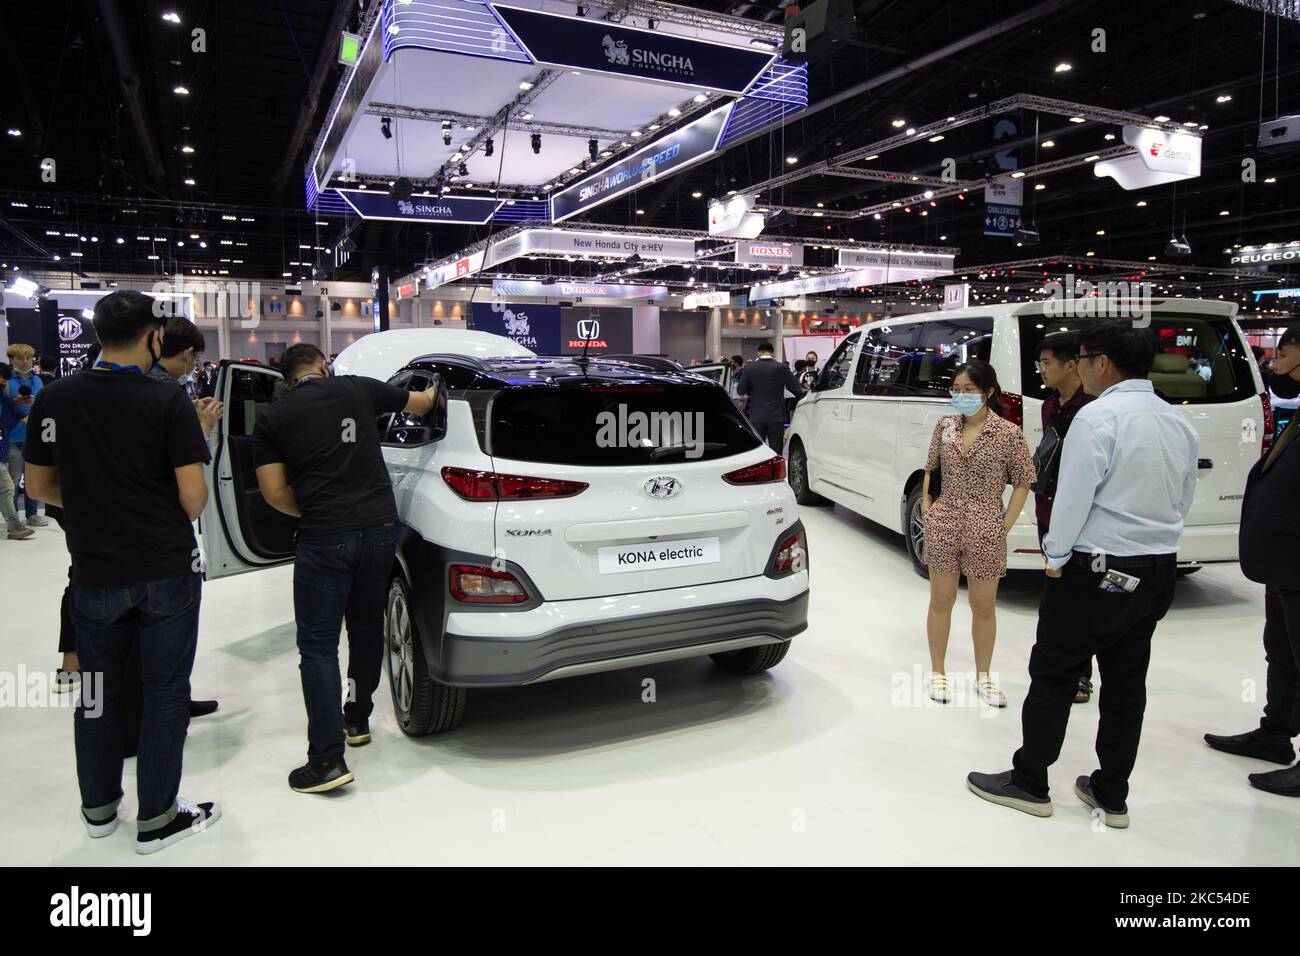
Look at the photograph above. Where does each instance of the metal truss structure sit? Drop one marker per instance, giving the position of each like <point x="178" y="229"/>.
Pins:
<point x="394" y="111"/>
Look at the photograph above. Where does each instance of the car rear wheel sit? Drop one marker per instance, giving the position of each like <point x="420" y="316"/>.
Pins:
<point x="423" y="705"/>
<point x="798" y="476"/>
<point x="752" y="660"/>
<point x="914" y="531"/>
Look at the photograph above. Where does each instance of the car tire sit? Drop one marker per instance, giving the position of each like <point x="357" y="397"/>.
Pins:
<point x="752" y="660"/>
<point x="421" y="704"/>
<point x="798" y="476"/>
<point x="914" y="531"/>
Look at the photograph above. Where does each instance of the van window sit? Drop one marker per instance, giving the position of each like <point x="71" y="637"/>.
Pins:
<point x="917" y="359"/>
<point x="836" y="372"/>
<point x="609" y="425"/>
<point x="1199" y="359"/>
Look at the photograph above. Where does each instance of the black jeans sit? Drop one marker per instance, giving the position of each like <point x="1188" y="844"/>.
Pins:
<point x="160" y="622"/>
<point x="1087" y="668"/>
<point x="1282" y="649"/>
<point x="772" y="433"/>
<point x="336" y="577"/>
<point x="1076" y="620"/>
<point x="132" y="686"/>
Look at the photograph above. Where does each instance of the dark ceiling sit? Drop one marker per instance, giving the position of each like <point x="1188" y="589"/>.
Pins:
<point x="121" y="172"/>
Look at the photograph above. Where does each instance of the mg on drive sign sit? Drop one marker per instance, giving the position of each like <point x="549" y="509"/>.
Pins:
<point x="769" y="253"/>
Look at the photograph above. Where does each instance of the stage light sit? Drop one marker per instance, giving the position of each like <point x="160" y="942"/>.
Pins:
<point x="489" y="148"/>
<point x="463" y="169"/>
<point x="446" y="133"/>
<point x="180" y="90"/>
<point x="697" y="194"/>
<point x="13" y="131"/>
<point x="593" y="149"/>
<point x="526" y="116"/>
<point x="1063" y="68"/>
<point x="582" y="10"/>
<point x="525" y="86"/>
<point x="674" y="112"/>
<point x="189" y="182"/>
<point x="537" y="142"/>
<point x="699" y="98"/>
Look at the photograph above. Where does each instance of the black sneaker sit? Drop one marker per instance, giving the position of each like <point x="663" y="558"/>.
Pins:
<point x="201" y="708"/>
<point x="97" y="829"/>
<point x="356" y="732"/>
<point x="1285" y="783"/>
<point x="320" y="777"/>
<point x="190" y="819"/>
<point x="998" y="788"/>
<point x="1116" y="819"/>
<point x="1257" y="744"/>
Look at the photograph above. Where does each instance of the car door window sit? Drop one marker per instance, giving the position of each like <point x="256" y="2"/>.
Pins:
<point x="940" y="348"/>
<point x="836" y="372"/>
<point x="891" y="349"/>
<point x="407" y="428"/>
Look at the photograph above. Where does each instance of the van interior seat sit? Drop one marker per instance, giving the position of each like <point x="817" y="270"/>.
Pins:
<point x="1172" y="376"/>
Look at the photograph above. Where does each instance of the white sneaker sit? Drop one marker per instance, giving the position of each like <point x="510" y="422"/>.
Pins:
<point x="990" y="693"/>
<point x="940" y="689"/>
<point x="38" y="521"/>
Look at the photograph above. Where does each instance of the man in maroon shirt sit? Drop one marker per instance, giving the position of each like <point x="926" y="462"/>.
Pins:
<point x="1058" y="365"/>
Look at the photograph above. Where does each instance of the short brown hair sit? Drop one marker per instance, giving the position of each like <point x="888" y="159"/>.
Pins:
<point x="18" y="350"/>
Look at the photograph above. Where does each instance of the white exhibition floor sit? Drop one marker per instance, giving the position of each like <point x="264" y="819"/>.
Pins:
<point x="834" y="757"/>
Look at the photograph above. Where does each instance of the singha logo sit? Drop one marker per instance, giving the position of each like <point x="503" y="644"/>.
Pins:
<point x="616" y="51"/>
<point x="517" y="324"/>
<point x="405" y="208"/>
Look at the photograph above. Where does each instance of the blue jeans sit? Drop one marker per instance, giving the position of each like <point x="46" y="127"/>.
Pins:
<point x="162" y="617"/>
<point x="338" y="577"/>
<point x="16" y="474"/>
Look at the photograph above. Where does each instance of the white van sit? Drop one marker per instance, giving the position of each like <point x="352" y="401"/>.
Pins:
<point x="861" y="435"/>
<point x="532" y="548"/>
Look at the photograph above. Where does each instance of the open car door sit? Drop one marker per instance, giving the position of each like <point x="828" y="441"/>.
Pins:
<point x="240" y="531"/>
<point x="719" y="372"/>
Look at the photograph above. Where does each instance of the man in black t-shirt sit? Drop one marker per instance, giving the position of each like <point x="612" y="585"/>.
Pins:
<point x="123" y="456"/>
<point x="318" y="459"/>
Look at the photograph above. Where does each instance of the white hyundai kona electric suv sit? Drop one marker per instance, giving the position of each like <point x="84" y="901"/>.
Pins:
<point x="564" y="517"/>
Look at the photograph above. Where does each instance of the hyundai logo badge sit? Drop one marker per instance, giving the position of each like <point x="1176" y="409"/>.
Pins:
<point x="662" y="486"/>
<point x="588" y="329"/>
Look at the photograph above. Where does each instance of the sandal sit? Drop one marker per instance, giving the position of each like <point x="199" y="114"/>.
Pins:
<point x="1084" y="692"/>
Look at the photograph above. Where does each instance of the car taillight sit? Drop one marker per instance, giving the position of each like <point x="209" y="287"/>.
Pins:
<point x="471" y="584"/>
<point x="764" y="472"/>
<point x="1269" y="422"/>
<point x="1013" y="408"/>
<point x="475" y="485"/>
<point x="791" y="554"/>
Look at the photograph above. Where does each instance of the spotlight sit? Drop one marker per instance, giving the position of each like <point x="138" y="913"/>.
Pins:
<point x="401" y="188"/>
<point x="180" y="90"/>
<point x="593" y="149"/>
<point x="582" y="10"/>
<point x="446" y="133"/>
<point x="1178" y="248"/>
<point x="536" y="140"/>
<point x="463" y="169"/>
<point x="488" y="148"/>
<point x="386" y="127"/>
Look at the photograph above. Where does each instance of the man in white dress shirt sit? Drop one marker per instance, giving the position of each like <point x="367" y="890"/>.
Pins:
<point x="1128" y="474"/>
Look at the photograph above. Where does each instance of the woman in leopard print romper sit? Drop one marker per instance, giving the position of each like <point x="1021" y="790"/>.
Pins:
<point x="980" y="453"/>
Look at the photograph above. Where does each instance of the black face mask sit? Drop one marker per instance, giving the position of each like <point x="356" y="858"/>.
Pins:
<point x="1284" y="386"/>
<point x="153" y="359"/>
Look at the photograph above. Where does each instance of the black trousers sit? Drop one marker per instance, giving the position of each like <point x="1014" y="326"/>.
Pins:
<point x="1282" y="650"/>
<point x="1077" y="620"/>
<point x="1087" y="667"/>
<point x="773" y="433"/>
<point x="132" y="703"/>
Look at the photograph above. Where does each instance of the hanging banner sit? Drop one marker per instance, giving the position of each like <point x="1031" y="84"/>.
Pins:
<point x="897" y="266"/>
<point x="535" y="327"/>
<point x="708" y="299"/>
<point x="374" y="204"/>
<point x="461" y="268"/>
<point x="670" y="153"/>
<point x="769" y="253"/>
<point x="568" y="288"/>
<point x="956" y="296"/>
<point x="588" y="43"/>
<point x="610" y="245"/>
<point x="734" y="217"/>
<point x="1162" y="157"/>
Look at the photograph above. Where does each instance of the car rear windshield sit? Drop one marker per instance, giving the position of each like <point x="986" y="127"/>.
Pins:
<point x="1199" y="359"/>
<point x="617" y="425"/>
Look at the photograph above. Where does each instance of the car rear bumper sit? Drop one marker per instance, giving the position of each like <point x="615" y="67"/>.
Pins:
<point x="566" y="638"/>
<point x="1200" y="544"/>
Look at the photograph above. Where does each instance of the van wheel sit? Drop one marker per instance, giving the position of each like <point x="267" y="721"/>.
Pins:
<point x="798" y="477"/>
<point x="752" y="660"/>
<point x="423" y="705"/>
<point x="914" y="531"/>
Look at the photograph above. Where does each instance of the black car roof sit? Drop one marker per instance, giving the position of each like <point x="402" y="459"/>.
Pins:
<point x="553" y="370"/>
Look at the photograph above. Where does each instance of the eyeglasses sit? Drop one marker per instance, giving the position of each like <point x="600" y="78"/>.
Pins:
<point x="965" y="391"/>
<point x="1090" y="355"/>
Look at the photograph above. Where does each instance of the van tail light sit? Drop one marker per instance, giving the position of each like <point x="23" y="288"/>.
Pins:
<point x="1269" y="422"/>
<point x="473" y="485"/>
<point x="1013" y="408"/>
<point x="763" y="473"/>
<point x="791" y="555"/>
<point x="472" y="584"/>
